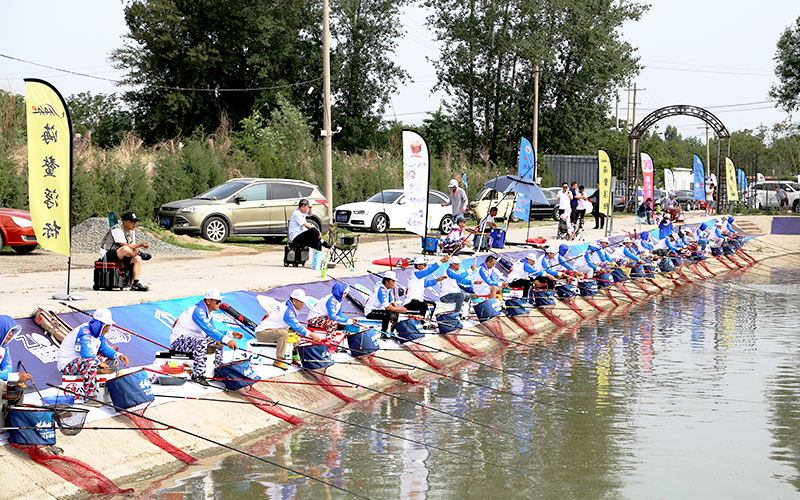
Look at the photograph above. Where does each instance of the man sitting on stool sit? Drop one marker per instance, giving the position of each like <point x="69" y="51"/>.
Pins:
<point x="302" y="233"/>
<point x="275" y="327"/>
<point x="383" y="301"/>
<point x="119" y="245"/>
<point x="417" y="283"/>
<point x="484" y="227"/>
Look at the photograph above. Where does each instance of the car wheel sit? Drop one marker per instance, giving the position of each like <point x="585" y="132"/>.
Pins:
<point x="514" y="218"/>
<point x="316" y="224"/>
<point x="555" y="213"/>
<point x="215" y="229"/>
<point x="446" y="224"/>
<point x="2" y="242"/>
<point x="24" y="249"/>
<point x="380" y="223"/>
<point x="794" y="207"/>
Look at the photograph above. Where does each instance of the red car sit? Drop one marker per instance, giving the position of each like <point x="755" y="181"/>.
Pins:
<point x="16" y="230"/>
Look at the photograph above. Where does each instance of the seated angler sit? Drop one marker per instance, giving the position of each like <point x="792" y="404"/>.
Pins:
<point x="327" y="315"/>
<point x="484" y="228"/>
<point x="275" y="327"/>
<point x="604" y="253"/>
<point x="8" y="328"/>
<point x="421" y="278"/>
<point x="119" y="245"/>
<point x="645" y="243"/>
<point x="456" y="238"/>
<point x="702" y="234"/>
<point x="303" y="233"/>
<point x="549" y="268"/>
<point x="645" y="210"/>
<point x="666" y="247"/>
<point x="563" y="259"/>
<point x="522" y="273"/>
<point x="383" y="302"/>
<point x="457" y="284"/>
<point x="625" y="255"/>
<point x="665" y="227"/>
<point x="85" y="349"/>
<point x="492" y="280"/>
<point x="194" y="332"/>
<point x="590" y="262"/>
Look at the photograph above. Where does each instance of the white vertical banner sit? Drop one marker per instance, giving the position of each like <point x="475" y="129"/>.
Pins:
<point x="416" y="170"/>
<point x="669" y="181"/>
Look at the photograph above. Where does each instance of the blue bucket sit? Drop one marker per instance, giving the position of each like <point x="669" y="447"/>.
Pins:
<point x="236" y="370"/>
<point x="727" y="249"/>
<point x="409" y="329"/>
<point x="587" y="288"/>
<point x="486" y="310"/>
<point x="517" y="307"/>
<point x="637" y="271"/>
<point x="618" y="275"/>
<point x="26" y="416"/>
<point x="544" y="298"/>
<point x="313" y="357"/>
<point x="604" y="280"/>
<point x="666" y="265"/>
<point x="676" y="261"/>
<point x="449" y="322"/>
<point x="566" y="291"/>
<point x="498" y="238"/>
<point x="351" y="328"/>
<point x="130" y="390"/>
<point x="363" y="343"/>
<point x="650" y="270"/>
<point x="716" y="251"/>
<point x="59" y="400"/>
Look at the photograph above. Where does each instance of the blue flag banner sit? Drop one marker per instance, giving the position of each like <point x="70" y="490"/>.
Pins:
<point x="526" y="169"/>
<point x="742" y="178"/>
<point x="699" y="179"/>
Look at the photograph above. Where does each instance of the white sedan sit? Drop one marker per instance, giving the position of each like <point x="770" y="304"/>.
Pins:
<point x="391" y="212"/>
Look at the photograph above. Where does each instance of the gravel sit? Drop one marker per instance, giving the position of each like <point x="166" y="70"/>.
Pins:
<point x="87" y="235"/>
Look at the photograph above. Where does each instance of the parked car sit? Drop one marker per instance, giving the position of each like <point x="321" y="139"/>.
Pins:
<point x="16" y="230"/>
<point x="766" y="197"/>
<point x="687" y="201"/>
<point x="245" y="207"/>
<point x="488" y="197"/>
<point x="546" y="211"/>
<point x="386" y="210"/>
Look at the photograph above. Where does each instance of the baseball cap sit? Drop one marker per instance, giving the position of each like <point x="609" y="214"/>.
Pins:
<point x="390" y="275"/>
<point x="213" y="294"/>
<point x="452" y="183"/>
<point x="103" y="316"/>
<point x="418" y="260"/>
<point x="299" y="294"/>
<point x="460" y="218"/>
<point x="549" y="249"/>
<point x="130" y="216"/>
<point x="603" y="240"/>
<point x="531" y="256"/>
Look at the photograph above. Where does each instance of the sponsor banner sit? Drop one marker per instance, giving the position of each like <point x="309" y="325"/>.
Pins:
<point x="730" y="180"/>
<point x="648" y="187"/>
<point x="416" y="167"/>
<point x="526" y="170"/>
<point x="669" y="181"/>
<point x="604" y="176"/>
<point x="49" y="165"/>
<point x="742" y="181"/>
<point x="699" y="179"/>
<point x="760" y="177"/>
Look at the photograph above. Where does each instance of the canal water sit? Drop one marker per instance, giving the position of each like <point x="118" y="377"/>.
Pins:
<point x="692" y="394"/>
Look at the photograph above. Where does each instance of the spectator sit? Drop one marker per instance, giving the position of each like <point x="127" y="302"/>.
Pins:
<point x="119" y="245"/>
<point x="564" y="200"/>
<point x="599" y="216"/>
<point x="458" y="199"/>
<point x="302" y="233"/>
<point x="573" y="203"/>
<point x="646" y="210"/>
<point x="783" y="198"/>
<point x="709" y="199"/>
<point x="584" y="205"/>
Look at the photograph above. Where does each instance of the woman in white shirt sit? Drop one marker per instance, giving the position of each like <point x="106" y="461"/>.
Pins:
<point x="584" y="205"/>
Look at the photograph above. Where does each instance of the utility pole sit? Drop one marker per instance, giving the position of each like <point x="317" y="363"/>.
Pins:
<point x="616" y="111"/>
<point x="708" y="155"/>
<point x="326" y="113"/>
<point x="536" y="122"/>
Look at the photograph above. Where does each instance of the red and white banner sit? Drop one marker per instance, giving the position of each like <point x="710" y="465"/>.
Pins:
<point x="416" y="168"/>
<point x="669" y="181"/>
<point x="648" y="187"/>
<point x="760" y="177"/>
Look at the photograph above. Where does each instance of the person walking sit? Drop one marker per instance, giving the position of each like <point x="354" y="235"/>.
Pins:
<point x="458" y="199"/>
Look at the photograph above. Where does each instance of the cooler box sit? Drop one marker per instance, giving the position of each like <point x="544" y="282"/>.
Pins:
<point x="498" y="238"/>
<point x="483" y="241"/>
<point x="430" y="243"/>
<point x="74" y="383"/>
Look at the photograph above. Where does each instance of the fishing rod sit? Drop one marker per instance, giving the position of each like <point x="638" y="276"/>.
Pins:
<point x="84" y="427"/>
<point x="117" y="326"/>
<point x="216" y="443"/>
<point x="365" y="427"/>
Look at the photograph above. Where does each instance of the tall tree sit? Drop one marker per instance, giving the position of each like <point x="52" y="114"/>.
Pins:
<point x="101" y="115"/>
<point x="364" y="76"/>
<point x="787" y="69"/>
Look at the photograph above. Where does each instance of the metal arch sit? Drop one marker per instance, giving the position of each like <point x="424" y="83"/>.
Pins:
<point x="680" y="109"/>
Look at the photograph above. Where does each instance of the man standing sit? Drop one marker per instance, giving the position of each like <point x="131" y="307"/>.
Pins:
<point x="458" y="198"/>
<point x="302" y="233"/>
<point x="564" y="200"/>
<point x="783" y="198"/>
<point x="275" y="327"/>
<point x="194" y="331"/>
<point x="573" y="203"/>
<point x="599" y="216"/>
<point x="119" y="245"/>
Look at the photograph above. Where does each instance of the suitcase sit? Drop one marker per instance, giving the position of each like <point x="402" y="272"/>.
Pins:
<point x="111" y="275"/>
<point x="294" y="255"/>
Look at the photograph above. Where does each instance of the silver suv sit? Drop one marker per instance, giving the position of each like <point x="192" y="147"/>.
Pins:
<point x="245" y="207"/>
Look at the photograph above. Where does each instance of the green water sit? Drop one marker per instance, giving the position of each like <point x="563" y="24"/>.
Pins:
<point x="692" y="394"/>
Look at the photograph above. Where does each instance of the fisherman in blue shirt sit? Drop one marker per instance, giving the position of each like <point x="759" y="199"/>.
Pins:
<point x="421" y="278"/>
<point x="589" y="262"/>
<point x="665" y="227"/>
<point x="492" y="281"/>
<point x="327" y="315"/>
<point x="8" y="328"/>
<point x="383" y="302"/>
<point x="645" y="242"/>
<point x="275" y="327"/>
<point x="521" y="273"/>
<point x="549" y="266"/>
<point x="454" y="281"/>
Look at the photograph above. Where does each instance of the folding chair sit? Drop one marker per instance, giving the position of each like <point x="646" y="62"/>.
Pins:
<point x="344" y="249"/>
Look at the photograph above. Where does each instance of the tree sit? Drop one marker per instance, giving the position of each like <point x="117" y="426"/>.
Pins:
<point x="101" y="115"/>
<point x="363" y="74"/>
<point x="787" y="69"/>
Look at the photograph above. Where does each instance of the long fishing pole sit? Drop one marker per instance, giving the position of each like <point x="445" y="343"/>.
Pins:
<point x="117" y="326"/>
<point x="216" y="443"/>
<point x="366" y="427"/>
<point x="388" y="221"/>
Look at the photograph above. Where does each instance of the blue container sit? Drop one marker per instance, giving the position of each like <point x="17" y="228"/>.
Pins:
<point x="313" y="357"/>
<point x="130" y="390"/>
<point x="544" y="298"/>
<point x="650" y="270"/>
<point x="59" y="399"/>
<point x="430" y="244"/>
<point x="351" y="328"/>
<point x="666" y="265"/>
<point x="409" y="329"/>
<point x="486" y="310"/>
<point x="449" y="322"/>
<point x="604" y="280"/>
<point x="676" y="261"/>
<point x="587" y="288"/>
<point x="618" y="275"/>
<point x="236" y="370"/>
<point x="517" y="307"/>
<point x="727" y="249"/>
<point x="716" y="251"/>
<point x="637" y="271"/>
<point x="363" y="343"/>
<point x="44" y="433"/>
<point x="566" y="291"/>
<point x="498" y="238"/>
<point x="483" y="241"/>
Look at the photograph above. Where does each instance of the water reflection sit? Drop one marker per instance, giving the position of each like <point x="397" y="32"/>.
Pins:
<point x="689" y="394"/>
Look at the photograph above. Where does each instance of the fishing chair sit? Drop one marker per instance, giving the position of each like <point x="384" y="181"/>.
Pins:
<point x="344" y="249"/>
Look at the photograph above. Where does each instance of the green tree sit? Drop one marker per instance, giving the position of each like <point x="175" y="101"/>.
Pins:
<point x="101" y="115"/>
<point x="787" y="69"/>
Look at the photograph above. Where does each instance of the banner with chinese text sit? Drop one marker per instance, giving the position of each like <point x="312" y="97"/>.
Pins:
<point x="604" y="176"/>
<point x="699" y="179"/>
<point x="669" y="181"/>
<point x="416" y="167"/>
<point x="49" y="165"/>
<point x="732" y="189"/>
<point x="526" y="170"/>
<point x="648" y="186"/>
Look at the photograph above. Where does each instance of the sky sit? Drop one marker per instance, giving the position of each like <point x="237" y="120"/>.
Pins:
<point x="711" y="54"/>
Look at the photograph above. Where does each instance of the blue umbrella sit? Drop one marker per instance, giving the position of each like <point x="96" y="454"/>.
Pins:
<point x="507" y="183"/>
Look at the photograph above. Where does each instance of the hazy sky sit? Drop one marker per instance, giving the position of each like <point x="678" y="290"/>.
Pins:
<point x="712" y="54"/>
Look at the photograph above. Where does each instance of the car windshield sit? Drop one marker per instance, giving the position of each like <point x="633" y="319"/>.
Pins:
<point x="388" y="197"/>
<point x="222" y="191"/>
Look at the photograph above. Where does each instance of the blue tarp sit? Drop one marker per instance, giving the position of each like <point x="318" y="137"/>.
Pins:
<point x="786" y="225"/>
